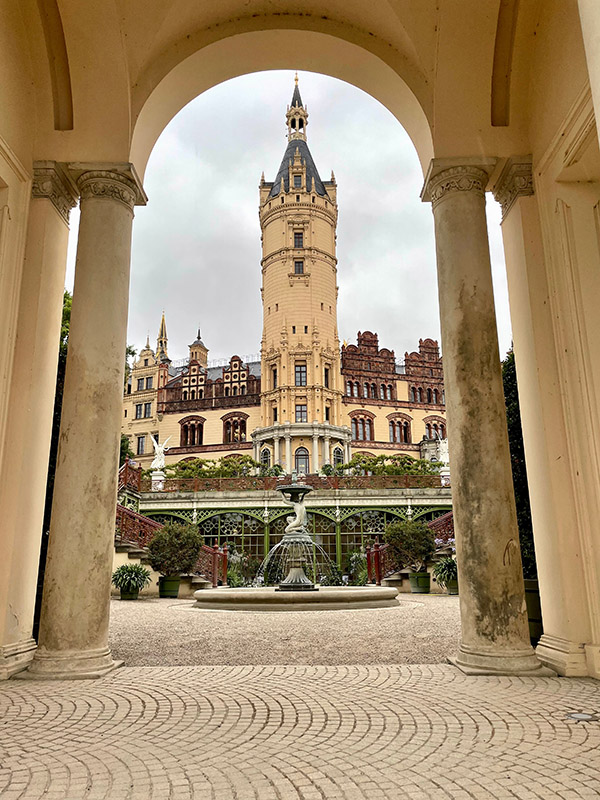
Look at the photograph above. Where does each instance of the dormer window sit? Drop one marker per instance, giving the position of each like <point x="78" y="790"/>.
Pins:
<point x="297" y="181"/>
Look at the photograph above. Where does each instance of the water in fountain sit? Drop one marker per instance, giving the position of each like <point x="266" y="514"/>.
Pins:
<point x="318" y="567"/>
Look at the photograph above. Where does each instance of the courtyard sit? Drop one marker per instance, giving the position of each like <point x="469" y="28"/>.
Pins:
<point x="357" y="705"/>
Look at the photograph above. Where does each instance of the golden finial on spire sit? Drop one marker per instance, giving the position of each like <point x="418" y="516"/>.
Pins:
<point x="296" y="79"/>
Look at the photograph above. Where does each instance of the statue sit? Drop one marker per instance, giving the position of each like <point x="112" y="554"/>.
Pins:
<point x="296" y="524"/>
<point x="159" y="453"/>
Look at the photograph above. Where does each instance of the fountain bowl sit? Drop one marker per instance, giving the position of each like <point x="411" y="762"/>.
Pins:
<point x="328" y="598"/>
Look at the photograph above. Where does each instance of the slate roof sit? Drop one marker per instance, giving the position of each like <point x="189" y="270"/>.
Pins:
<point x="296" y="99"/>
<point x="311" y="169"/>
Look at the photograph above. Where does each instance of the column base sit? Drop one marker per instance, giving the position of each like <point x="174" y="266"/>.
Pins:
<point x="16" y="657"/>
<point x="521" y="662"/>
<point x="564" y="657"/>
<point x="70" y="665"/>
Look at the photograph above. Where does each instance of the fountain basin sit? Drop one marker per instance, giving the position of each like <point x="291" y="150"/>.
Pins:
<point x="329" y="598"/>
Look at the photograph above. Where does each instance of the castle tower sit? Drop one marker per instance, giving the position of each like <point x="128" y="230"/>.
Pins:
<point x="161" y="341"/>
<point x="301" y="380"/>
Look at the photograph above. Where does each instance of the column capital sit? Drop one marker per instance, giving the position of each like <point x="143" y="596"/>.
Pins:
<point x="52" y="182"/>
<point x="448" y="175"/>
<point x="117" y="181"/>
<point x="515" y="180"/>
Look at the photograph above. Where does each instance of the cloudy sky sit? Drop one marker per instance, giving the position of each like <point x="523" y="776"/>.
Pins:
<point x="196" y="245"/>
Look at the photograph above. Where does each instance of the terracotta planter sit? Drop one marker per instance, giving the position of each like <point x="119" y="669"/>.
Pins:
<point x="168" y="586"/>
<point x="452" y="587"/>
<point x="132" y="594"/>
<point x="419" y="582"/>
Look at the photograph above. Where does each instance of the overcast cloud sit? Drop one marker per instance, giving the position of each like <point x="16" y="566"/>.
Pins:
<point x="196" y="245"/>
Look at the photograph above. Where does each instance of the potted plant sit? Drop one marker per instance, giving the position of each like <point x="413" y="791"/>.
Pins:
<point x="130" y="579"/>
<point x="174" y="549"/>
<point x="412" y="544"/>
<point x="445" y="571"/>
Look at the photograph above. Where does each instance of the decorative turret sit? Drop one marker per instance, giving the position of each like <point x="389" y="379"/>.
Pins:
<point x="296" y="116"/>
<point x="199" y="351"/>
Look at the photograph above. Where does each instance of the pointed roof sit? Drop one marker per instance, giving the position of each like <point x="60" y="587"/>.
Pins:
<point x="307" y="160"/>
<point x="296" y="99"/>
<point x="199" y="341"/>
<point x="162" y="331"/>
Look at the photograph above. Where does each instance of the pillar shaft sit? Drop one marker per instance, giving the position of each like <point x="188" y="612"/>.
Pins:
<point x="276" y="454"/>
<point x="589" y="13"/>
<point x="22" y="492"/>
<point x="288" y="454"/>
<point x="559" y="554"/>
<point x="315" y="455"/>
<point x="495" y="636"/>
<point x="75" y="608"/>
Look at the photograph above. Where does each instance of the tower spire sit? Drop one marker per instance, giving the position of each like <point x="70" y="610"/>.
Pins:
<point x="296" y="116"/>
<point x="161" y="341"/>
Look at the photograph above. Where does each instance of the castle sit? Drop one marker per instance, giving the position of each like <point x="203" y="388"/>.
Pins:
<point x="307" y="402"/>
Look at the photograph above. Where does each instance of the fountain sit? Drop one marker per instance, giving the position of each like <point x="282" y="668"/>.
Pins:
<point x="287" y="563"/>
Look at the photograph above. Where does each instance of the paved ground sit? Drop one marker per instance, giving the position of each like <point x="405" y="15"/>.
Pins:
<point x="156" y="632"/>
<point x="298" y="733"/>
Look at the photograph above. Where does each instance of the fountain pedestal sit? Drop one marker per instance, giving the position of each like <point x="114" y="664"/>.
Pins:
<point x="296" y="539"/>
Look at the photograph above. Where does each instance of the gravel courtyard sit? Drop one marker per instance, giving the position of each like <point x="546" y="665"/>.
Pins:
<point x="153" y="632"/>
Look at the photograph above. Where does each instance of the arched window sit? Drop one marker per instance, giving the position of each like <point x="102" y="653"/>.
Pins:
<point x="200" y="394"/>
<point x="338" y="456"/>
<point x="393" y="432"/>
<point x="382" y="392"/>
<point x="443" y="431"/>
<point x="235" y="390"/>
<point x="354" y="430"/>
<point x="243" y="390"/>
<point x="435" y="396"/>
<point x="435" y="431"/>
<point x="374" y="391"/>
<point x="420" y="394"/>
<point x="234" y="427"/>
<point x="428" y="430"/>
<point x="356" y="389"/>
<point x="193" y="394"/>
<point x="443" y="397"/>
<point x="302" y="462"/>
<point x="227" y="391"/>
<point x="265" y="457"/>
<point x="413" y="394"/>
<point x="369" y="430"/>
<point x="184" y="395"/>
<point x="407" y="436"/>
<point x="365" y="390"/>
<point x="191" y="431"/>
<point x="389" y="392"/>
<point x="429" y="396"/>
<point x="349" y="389"/>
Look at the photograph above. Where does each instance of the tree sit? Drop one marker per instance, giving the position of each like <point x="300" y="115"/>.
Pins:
<point x="517" y="462"/>
<point x="126" y="451"/>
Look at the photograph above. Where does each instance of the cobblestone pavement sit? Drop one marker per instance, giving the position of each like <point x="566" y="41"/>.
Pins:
<point x="301" y="732"/>
<point x="153" y="632"/>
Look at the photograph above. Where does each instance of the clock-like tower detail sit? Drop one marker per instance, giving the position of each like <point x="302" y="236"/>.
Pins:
<point x="301" y="408"/>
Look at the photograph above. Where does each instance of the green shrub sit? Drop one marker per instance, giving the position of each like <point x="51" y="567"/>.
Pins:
<point x="412" y="543"/>
<point x="131" y="577"/>
<point x="174" y="549"/>
<point x="358" y="574"/>
<point x="445" y="570"/>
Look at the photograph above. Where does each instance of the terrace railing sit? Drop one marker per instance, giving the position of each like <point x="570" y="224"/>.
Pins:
<point x="130" y="476"/>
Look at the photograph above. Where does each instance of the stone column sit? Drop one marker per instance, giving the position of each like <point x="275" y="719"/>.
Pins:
<point x="327" y="450"/>
<point x="255" y="449"/>
<point x="30" y="410"/>
<point x="589" y="13"/>
<point x="347" y="455"/>
<point x="288" y="453"/>
<point x="315" y="454"/>
<point x="276" y="454"/>
<point x="495" y="635"/>
<point x="73" y="639"/>
<point x="559" y="554"/>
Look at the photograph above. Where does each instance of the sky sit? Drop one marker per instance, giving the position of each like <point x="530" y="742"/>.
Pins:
<point x="196" y="245"/>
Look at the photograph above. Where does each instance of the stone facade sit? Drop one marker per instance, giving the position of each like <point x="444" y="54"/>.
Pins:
<point x="307" y="402"/>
